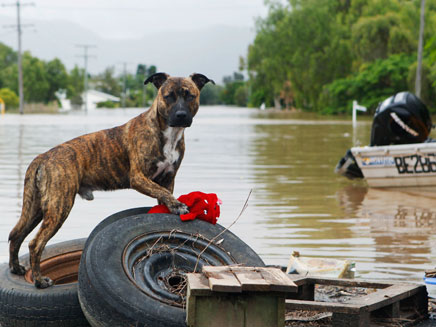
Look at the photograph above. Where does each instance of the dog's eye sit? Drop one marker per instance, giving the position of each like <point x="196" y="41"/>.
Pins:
<point x="169" y="97"/>
<point x="188" y="95"/>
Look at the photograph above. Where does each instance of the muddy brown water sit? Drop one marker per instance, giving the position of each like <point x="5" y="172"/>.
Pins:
<point x="297" y="202"/>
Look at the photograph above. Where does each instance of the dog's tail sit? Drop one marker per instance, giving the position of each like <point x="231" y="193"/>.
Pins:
<point x="29" y="194"/>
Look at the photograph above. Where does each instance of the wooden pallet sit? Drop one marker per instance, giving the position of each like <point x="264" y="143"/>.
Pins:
<point x="390" y="301"/>
<point x="236" y="296"/>
<point x="250" y="296"/>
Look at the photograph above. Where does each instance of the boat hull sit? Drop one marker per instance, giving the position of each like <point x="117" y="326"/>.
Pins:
<point x="397" y="165"/>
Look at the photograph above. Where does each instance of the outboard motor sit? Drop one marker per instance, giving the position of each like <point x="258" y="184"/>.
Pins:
<point x="400" y="119"/>
<point x="348" y="167"/>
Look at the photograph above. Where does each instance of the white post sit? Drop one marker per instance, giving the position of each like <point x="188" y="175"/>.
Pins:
<point x="356" y="107"/>
<point x="354" y="113"/>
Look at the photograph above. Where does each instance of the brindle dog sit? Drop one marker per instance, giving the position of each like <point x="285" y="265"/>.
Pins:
<point x="143" y="154"/>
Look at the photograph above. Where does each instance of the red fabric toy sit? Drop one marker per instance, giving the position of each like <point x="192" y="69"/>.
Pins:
<point x="204" y="206"/>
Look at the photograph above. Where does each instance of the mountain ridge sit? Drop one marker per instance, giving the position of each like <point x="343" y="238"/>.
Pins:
<point x="213" y="51"/>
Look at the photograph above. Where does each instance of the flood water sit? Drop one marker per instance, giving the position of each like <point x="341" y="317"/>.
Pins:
<point x="297" y="202"/>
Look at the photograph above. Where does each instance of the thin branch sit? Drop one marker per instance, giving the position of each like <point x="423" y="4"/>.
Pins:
<point x="225" y="230"/>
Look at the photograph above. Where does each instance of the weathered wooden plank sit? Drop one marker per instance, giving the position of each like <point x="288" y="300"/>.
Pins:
<point x="346" y="282"/>
<point x="237" y="310"/>
<point x="278" y="280"/>
<point x="250" y="279"/>
<point x="323" y="306"/>
<point x="387" y="296"/>
<point x="355" y="320"/>
<point x="191" y="307"/>
<point x="221" y="279"/>
<point x="305" y="292"/>
<point x="298" y="280"/>
<point x="198" y="284"/>
<point x="217" y="311"/>
<point x="264" y="310"/>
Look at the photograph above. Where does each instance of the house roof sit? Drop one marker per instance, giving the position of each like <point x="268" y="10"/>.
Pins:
<point x="103" y="96"/>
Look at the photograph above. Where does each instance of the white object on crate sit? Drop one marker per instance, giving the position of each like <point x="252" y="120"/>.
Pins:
<point x="325" y="267"/>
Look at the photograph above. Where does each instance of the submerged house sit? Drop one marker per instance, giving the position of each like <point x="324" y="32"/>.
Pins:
<point x="90" y="100"/>
<point x="92" y="97"/>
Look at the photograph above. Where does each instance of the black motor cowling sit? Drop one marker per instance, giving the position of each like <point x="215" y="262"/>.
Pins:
<point x="400" y="119"/>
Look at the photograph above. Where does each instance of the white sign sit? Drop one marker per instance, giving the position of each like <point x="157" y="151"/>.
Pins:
<point x="356" y="107"/>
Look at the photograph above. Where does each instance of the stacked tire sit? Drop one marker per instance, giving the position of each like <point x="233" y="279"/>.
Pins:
<point x="132" y="272"/>
<point x="22" y="304"/>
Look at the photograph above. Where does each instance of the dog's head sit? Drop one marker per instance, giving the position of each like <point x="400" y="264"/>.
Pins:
<point x="178" y="98"/>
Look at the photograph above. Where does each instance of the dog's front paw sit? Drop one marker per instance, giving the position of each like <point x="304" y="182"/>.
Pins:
<point x="18" y="270"/>
<point x="178" y="208"/>
<point x="44" y="282"/>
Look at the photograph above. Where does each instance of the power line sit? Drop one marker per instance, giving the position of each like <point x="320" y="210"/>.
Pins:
<point x="85" y="57"/>
<point x="19" y="27"/>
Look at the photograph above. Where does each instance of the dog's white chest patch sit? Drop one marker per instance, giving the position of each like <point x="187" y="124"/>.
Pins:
<point x="172" y="136"/>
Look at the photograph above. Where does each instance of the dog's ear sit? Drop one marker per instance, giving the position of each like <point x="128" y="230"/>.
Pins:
<point x="200" y="80"/>
<point x="157" y="79"/>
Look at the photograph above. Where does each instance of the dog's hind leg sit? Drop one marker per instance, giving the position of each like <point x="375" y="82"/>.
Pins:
<point x="25" y="225"/>
<point x="31" y="215"/>
<point x="54" y="214"/>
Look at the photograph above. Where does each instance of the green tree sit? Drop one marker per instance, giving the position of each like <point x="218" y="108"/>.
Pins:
<point x="75" y="85"/>
<point x="35" y="80"/>
<point x="428" y="87"/>
<point x="106" y="104"/>
<point x="9" y="97"/>
<point x="57" y="78"/>
<point x="241" y="96"/>
<point x="107" y="82"/>
<point x="266" y="63"/>
<point x="314" y="43"/>
<point x="309" y="55"/>
<point x="210" y="94"/>
<point x="380" y="36"/>
<point x="9" y="77"/>
<point x="375" y="82"/>
<point x="151" y="70"/>
<point x="231" y="85"/>
<point x="141" y="75"/>
<point x="8" y="58"/>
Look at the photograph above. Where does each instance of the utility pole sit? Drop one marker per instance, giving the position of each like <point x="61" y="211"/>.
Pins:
<point x="19" y="27"/>
<point x="420" y="46"/>
<point x="124" y="84"/>
<point x="144" y="90"/>
<point x="85" y="78"/>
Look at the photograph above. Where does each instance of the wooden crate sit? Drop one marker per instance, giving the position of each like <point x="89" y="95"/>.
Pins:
<point x="391" y="301"/>
<point x="237" y="297"/>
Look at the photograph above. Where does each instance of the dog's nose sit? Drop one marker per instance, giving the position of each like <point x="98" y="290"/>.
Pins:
<point x="181" y="114"/>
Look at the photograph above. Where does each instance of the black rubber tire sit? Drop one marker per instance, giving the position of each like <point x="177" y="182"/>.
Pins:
<point x="22" y="304"/>
<point x="109" y="298"/>
<point x="115" y="217"/>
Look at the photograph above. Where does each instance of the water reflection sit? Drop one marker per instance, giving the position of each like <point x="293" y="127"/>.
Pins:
<point x="20" y="165"/>
<point x="295" y="185"/>
<point x="401" y="223"/>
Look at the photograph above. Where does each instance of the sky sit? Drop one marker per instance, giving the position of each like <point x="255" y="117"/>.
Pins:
<point x="135" y="18"/>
